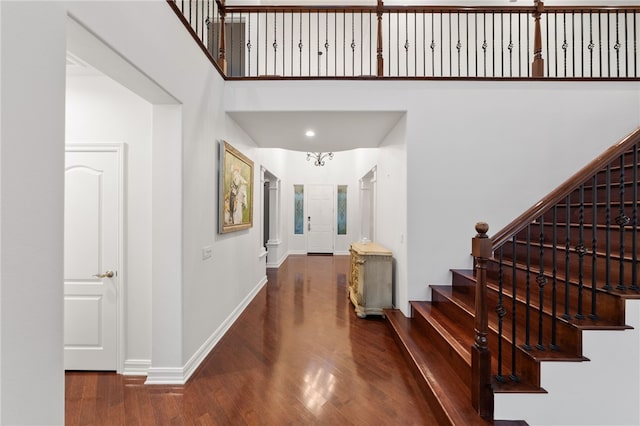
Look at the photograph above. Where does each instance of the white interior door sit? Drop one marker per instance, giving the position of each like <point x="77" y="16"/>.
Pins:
<point x="91" y="258"/>
<point x="320" y="218"/>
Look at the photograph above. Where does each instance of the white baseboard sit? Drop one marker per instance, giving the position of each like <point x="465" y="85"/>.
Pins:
<point x="297" y="252"/>
<point x="179" y="376"/>
<point x="136" y="367"/>
<point x="341" y="253"/>
<point x="165" y="376"/>
<point x="199" y="356"/>
<point x="278" y="263"/>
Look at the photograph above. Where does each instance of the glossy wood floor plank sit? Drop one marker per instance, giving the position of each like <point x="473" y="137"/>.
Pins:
<point x="297" y="355"/>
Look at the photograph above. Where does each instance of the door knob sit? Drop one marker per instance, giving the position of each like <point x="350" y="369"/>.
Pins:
<point x="108" y="274"/>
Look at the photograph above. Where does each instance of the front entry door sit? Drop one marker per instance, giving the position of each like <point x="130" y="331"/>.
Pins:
<point x="91" y="245"/>
<point x="319" y="218"/>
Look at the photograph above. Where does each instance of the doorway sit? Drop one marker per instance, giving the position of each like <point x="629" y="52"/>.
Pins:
<point x="368" y="206"/>
<point x="93" y="244"/>
<point x="320" y="213"/>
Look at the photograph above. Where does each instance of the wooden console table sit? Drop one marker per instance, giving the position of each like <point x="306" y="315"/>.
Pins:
<point x="370" y="273"/>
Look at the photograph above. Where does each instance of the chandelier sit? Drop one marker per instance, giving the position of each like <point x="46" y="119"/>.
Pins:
<point x="318" y="157"/>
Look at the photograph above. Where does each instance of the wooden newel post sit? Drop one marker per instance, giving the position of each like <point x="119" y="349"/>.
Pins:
<point x="481" y="391"/>
<point x="380" y="11"/>
<point x="222" y="59"/>
<point x="537" y="67"/>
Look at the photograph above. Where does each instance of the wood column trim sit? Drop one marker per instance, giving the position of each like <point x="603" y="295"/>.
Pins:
<point x="481" y="391"/>
<point x="537" y="67"/>
<point x="222" y="59"/>
<point x="380" y="61"/>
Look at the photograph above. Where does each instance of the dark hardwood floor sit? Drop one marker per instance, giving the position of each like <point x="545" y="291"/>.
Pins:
<point x="297" y="355"/>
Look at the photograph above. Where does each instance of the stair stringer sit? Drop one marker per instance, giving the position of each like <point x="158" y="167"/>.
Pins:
<point x="602" y="391"/>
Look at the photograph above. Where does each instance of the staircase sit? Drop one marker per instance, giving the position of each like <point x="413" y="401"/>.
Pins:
<point x="566" y="265"/>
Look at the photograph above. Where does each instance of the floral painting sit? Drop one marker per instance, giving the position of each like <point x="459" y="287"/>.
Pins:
<point x="236" y="190"/>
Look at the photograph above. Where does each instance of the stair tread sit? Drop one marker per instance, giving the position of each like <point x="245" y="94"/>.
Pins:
<point x="447" y="388"/>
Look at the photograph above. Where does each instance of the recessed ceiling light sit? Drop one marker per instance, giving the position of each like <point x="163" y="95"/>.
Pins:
<point x="310" y="133"/>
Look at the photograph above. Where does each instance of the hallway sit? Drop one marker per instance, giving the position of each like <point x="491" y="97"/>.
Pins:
<point x="297" y="355"/>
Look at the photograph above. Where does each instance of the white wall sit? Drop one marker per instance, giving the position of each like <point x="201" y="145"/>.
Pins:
<point x="31" y="212"/>
<point x="467" y="145"/>
<point x="197" y="299"/>
<point x="99" y="110"/>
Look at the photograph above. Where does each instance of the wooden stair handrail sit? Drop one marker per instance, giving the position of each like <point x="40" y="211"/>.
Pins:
<point x="561" y="192"/>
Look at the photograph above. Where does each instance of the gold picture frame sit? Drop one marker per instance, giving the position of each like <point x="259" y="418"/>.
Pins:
<point x="235" y="190"/>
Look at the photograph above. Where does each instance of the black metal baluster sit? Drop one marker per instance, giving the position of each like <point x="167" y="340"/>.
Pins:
<point x="450" y="49"/>
<point x="527" y="67"/>
<point x="389" y="32"/>
<point x="501" y="312"/>
<point x="249" y="46"/>
<point x="424" y="46"/>
<point x="616" y="46"/>
<point x="635" y="47"/>
<point x="573" y="44"/>
<point x="501" y="45"/>
<point x="493" y="44"/>
<point x="459" y="43"/>
<point x="622" y="221"/>
<point x="567" y="250"/>
<point x="309" y="41"/>
<point x="634" y="243"/>
<point x="555" y="38"/>
<point x="594" y="250"/>
<point x="626" y="45"/>
<point x="230" y="49"/>
<point x="318" y="61"/>
<point x="344" y="44"/>
<point x="513" y="376"/>
<point x="415" y="44"/>
<point x="599" y="44"/>
<point x="353" y="46"/>
<point x="527" y="316"/>
<point x="520" y="46"/>
<point x="361" y="44"/>
<point x="326" y="43"/>
<point x="510" y="46"/>
<point x="291" y="53"/>
<point x="581" y="250"/>
<point x="466" y="20"/>
<point x="591" y="45"/>
<point x="484" y="42"/>
<point x="441" y="47"/>
<point x="300" y="45"/>
<point x="607" y="264"/>
<point x="565" y="44"/>
<point x="284" y="44"/>
<point x="548" y="61"/>
<point x="554" y="275"/>
<point x="541" y="280"/>
<point x="433" y="46"/>
<point x="266" y="43"/>
<point x="335" y="42"/>
<point x="475" y="42"/>
<point x="406" y="42"/>
<point x="608" y="45"/>
<point x="581" y="45"/>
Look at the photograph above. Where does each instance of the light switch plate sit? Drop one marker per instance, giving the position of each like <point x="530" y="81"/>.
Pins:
<point x="207" y="252"/>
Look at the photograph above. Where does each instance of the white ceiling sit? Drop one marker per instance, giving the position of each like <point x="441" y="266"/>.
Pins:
<point x="334" y="130"/>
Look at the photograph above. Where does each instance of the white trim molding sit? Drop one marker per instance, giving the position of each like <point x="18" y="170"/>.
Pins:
<point x="180" y="376"/>
<point x="136" y="367"/>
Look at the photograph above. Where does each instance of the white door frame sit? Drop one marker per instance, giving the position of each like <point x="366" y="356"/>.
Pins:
<point x="120" y="150"/>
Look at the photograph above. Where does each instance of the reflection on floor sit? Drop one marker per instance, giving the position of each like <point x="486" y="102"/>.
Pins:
<point x="297" y="355"/>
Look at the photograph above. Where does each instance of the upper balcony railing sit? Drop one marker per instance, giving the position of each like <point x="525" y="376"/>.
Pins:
<point x="576" y="42"/>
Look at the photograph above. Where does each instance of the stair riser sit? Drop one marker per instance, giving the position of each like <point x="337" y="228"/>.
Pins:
<point x="526" y="366"/>
<point x="460" y="366"/>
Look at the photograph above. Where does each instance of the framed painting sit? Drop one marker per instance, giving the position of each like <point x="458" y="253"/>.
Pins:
<point x="235" y="190"/>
